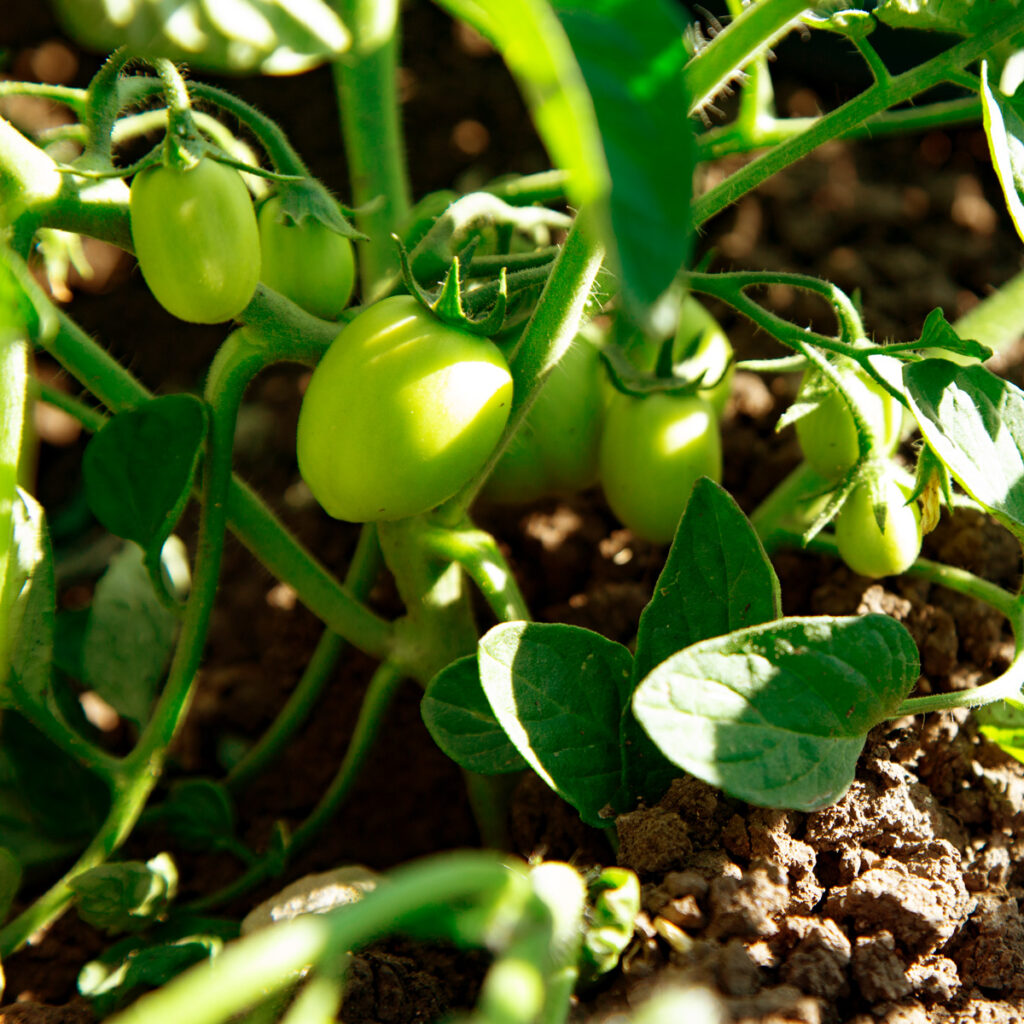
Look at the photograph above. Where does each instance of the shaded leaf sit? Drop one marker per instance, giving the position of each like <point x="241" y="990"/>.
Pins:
<point x="558" y="692"/>
<point x="126" y="895"/>
<point x="459" y="717"/>
<point x="128" y="638"/>
<point x="777" y="714"/>
<point x="198" y="813"/>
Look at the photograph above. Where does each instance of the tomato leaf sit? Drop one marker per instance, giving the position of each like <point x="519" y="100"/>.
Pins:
<point x="558" y="692"/>
<point x="632" y="56"/>
<point x="458" y="716"/>
<point x="10" y="880"/>
<point x="125" y="896"/>
<point x="1003" y="724"/>
<point x="974" y="421"/>
<point x="139" y="469"/>
<point x="778" y="714"/>
<point x="128" y="638"/>
<point x="962" y="17"/>
<point x="1004" y="128"/>
<point x="275" y="37"/>
<point x="717" y="579"/>
<point x="938" y="333"/>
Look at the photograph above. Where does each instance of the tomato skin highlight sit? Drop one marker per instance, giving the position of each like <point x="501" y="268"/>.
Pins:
<point x="828" y="437"/>
<point x="400" y="413"/>
<point x="555" y="449"/>
<point x="196" y="239"/>
<point x="309" y="263"/>
<point x="864" y="547"/>
<point x="653" y="449"/>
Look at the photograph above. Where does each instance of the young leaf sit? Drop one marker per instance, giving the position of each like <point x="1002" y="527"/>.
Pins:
<point x="717" y="579"/>
<point x="974" y="421"/>
<point x="937" y="334"/>
<point x="457" y="715"/>
<point x="128" y="638"/>
<point x="125" y="896"/>
<point x="632" y="56"/>
<point x="558" y="692"/>
<point x="139" y="469"/>
<point x="1005" y="130"/>
<point x="777" y="714"/>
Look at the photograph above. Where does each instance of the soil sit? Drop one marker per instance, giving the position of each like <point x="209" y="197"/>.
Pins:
<point x="899" y="904"/>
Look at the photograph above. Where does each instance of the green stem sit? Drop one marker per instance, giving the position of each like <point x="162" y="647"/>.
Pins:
<point x="751" y="34"/>
<point x="554" y="323"/>
<point x="365" y="80"/>
<point x="544" y="187"/>
<point x="362" y="573"/>
<point x="869" y="103"/>
<point x="733" y="139"/>
<point x="254" y="967"/>
<point x="74" y="98"/>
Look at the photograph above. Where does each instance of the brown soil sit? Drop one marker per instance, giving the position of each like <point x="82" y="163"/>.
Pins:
<point x="902" y="903"/>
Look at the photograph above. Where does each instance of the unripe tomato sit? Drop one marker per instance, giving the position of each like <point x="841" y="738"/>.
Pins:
<point x="308" y="262"/>
<point x="555" y="450"/>
<point x="196" y="239"/>
<point x="700" y="347"/>
<point x="400" y="413"/>
<point x="653" y="449"/>
<point x="827" y="435"/>
<point x="868" y="550"/>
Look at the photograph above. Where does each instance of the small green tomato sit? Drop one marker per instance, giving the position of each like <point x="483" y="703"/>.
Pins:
<point x="875" y="552"/>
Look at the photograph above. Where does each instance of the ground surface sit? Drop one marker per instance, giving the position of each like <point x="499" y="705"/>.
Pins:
<point x="902" y="903"/>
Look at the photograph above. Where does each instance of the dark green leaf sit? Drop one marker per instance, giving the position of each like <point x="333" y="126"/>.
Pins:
<point x="558" y="692"/>
<point x="777" y="714"/>
<point x="10" y="881"/>
<point x="198" y="813"/>
<point x="272" y="36"/>
<point x="125" y="896"/>
<point x="717" y="579"/>
<point x="938" y="333"/>
<point x="457" y="715"/>
<point x="128" y="638"/>
<point x="974" y="421"/>
<point x="632" y="55"/>
<point x="1005" y="130"/>
<point x="139" y="468"/>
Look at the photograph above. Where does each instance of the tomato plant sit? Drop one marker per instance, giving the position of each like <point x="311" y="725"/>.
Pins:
<point x="555" y="449"/>
<point x="308" y="262"/>
<point x="874" y="548"/>
<point x="196" y="239"/>
<point x="400" y="412"/>
<point x="828" y="435"/>
<point x="652" y="451"/>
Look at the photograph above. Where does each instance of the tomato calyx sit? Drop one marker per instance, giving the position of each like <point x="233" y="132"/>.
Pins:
<point x="306" y="199"/>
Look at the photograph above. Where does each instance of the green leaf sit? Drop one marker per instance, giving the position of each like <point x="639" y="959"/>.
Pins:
<point x="128" y="638"/>
<point x="125" y="896"/>
<point x="1004" y="128"/>
<point x="139" y="469"/>
<point x="777" y="714"/>
<point x="198" y="813"/>
<point x="1003" y="724"/>
<point x="275" y="37"/>
<point x="938" y="334"/>
<point x="717" y="579"/>
<point x="534" y="46"/>
<point x="608" y="929"/>
<point x="558" y="692"/>
<point x="960" y="17"/>
<point x="631" y="55"/>
<point x="974" y="421"/>
<point x="31" y="611"/>
<point x="10" y="882"/>
<point x="458" y="716"/>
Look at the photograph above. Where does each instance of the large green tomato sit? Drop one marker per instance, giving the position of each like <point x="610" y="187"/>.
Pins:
<point x="196" y="239"/>
<point x="827" y="435"/>
<point x="309" y="263"/>
<point x="555" y="449"/>
<point x="653" y="449"/>
<point x="868" y="550"/>
<point x="400" y="413"/>
<point x="700" y="347"/>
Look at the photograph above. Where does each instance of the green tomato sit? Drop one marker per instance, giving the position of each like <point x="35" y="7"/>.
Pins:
<point x="827" y="435"/>
<point x="196" y="239"/>
<point x="555" y="449"/>
<point x="653" y="449"/>
<point x="400" y="413"/>
<point x="308" y="262"/>
<point x="871" y="551"/>
<point x="700" y="347"/>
